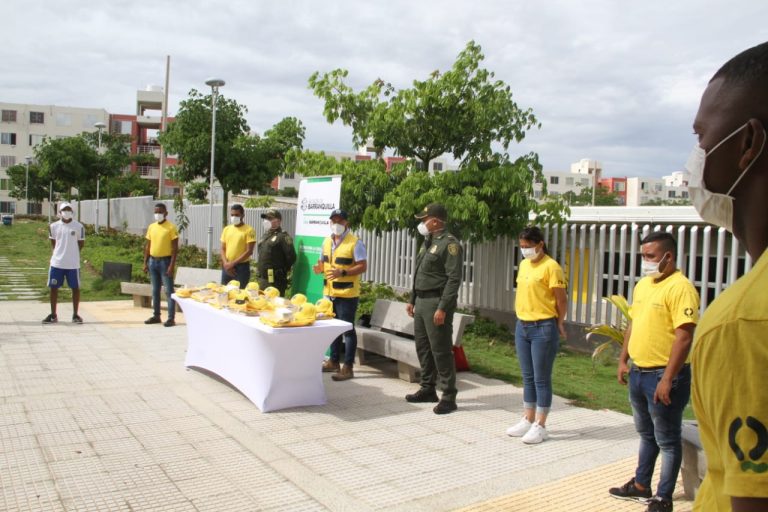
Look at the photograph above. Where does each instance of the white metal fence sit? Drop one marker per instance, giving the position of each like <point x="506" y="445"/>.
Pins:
<point x="598" y="249"/>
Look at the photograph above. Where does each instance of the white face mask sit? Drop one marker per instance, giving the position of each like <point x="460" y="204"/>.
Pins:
<point x="714" y="208"/>
<point x="66" y="215"/>
<point x="422" y="229"/>
<point x="337" y="229"/>
<point x="159" y="217"/>
<point x="650" y="268"/>
<point x="267" y="224"/>
<point x="235" y="220"/>
<point x="529" y="252"/>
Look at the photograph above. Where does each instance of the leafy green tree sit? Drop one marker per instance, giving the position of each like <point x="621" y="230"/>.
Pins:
<point x="603" y="197"/>
<point x="38" y="186"/>
<point x="464" y="111"/>
<point x="484" y="201"/>
<point x="68" y="163"/>
<point x="243" y="160"/>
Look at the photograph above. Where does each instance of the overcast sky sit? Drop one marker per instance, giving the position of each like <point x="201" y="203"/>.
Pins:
<point x="610" y="80"/>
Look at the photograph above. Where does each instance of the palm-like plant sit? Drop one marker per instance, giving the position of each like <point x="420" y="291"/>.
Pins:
<point x="615" y="334"/>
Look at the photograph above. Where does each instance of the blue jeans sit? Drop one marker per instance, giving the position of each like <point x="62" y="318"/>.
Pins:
<point x="157" y="275"/>
<point x="242" y="274"/>
<point x="345" y="309"/>
<point x="659" y="426"/>
<point x="536" y="344"/>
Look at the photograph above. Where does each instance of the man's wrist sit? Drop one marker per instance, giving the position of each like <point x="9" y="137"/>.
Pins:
<point x="344" y="273"/>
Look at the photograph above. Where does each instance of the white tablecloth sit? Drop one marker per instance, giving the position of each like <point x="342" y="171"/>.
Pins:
<point x="275" y="368"/>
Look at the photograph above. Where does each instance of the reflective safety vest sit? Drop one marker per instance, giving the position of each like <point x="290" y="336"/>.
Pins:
<point x="343" y="258"/>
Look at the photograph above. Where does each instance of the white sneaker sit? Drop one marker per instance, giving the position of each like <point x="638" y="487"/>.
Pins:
<point x="520" y="428"/>
<point x="535" y="435"/>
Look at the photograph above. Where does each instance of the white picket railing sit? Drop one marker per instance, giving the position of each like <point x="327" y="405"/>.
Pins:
<point x="599" y="252"/>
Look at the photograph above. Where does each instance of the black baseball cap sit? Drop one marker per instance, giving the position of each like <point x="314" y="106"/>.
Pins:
<point x="338" y="212"/>
<point x="433" y="210"/>
<point x="271" y="214"/>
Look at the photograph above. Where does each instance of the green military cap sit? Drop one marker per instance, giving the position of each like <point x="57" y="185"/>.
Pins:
<point x="271" y="214"/>
<point x="433" y="210"/>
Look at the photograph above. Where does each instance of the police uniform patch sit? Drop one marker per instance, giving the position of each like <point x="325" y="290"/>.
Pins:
<point x="688" y="312"/>
<point x="433" y="250"/>
<point x="453" y="249"/>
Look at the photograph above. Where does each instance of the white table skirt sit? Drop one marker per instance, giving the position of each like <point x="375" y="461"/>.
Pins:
<point x="275" y="368"/>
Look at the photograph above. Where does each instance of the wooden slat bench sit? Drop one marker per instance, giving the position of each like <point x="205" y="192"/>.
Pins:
<point x="185" y="276"/>
<point x="391" y="335"/>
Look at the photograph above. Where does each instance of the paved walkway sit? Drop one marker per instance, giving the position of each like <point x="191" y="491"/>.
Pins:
<point x="104" y="416"/>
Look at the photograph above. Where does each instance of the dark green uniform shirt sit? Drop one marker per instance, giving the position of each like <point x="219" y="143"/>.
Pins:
<point x="276" y="252"/>
<point x="438" y="269"/>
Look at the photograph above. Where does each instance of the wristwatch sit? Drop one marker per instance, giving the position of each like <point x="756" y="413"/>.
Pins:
<point x="343" y="273"/>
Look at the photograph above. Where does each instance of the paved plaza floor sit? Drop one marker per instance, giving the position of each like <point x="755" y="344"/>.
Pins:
<point x="104" y="416"/>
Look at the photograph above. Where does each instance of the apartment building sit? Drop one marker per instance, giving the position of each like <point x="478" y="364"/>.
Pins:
<point x="23" y="126"/>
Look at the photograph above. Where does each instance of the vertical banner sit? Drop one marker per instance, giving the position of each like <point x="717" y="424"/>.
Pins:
<point x="318" y="197"/>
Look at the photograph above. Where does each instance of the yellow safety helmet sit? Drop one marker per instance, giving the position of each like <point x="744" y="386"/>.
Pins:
<point x="252" y="286"/>
<point x="298" y="299"/>
<point x="325" y="307"/>
<point x="212" y="285"/>
<point x="306" y="314"/>
<point x="271" y="292"/>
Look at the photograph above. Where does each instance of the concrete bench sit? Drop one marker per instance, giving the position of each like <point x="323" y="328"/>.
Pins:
<point x="391" y="335"/>
<point x="694" y="465"/>
<point x="185" y="276"/>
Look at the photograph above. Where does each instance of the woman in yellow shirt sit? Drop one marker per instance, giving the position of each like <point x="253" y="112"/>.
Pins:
<point x="540" y="305"/>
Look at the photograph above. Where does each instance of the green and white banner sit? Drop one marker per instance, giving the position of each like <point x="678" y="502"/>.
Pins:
<point x="318" y="197"/>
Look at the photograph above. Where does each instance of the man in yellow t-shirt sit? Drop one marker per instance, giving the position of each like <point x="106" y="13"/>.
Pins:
<point x="665" y="309"/>
<point x="237" y="243"/>
<point x="160" y="261"/>
<point x="728" y="187"/>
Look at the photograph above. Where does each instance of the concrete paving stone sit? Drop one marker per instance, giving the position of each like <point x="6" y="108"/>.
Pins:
<point x="367" y="455"/>
<point x="379" y="496"/>
<point x="160" y="440"/>
<point x="117" y="445"/>
<point x="218" y="446"/>
<point x="145" y="416"/>
<point x="100" y="503"/>
<point x="282" y="494"/>
<point x="205" y="486"/>
<point x="308" y="505"/>
<point x="62" y="437"/>
<point x="107" y="433"/>
<point x="158" y="496"/>
<point x="40" y="496"/>
<point x="68" y="451"/>
<point x="187" y="469"/>
<point x="76" y="467"/>
<point x="13" y="444"/>
<point x="115" y="462"/>
<point x="343" y="442"/>
<point x="306" y="448"/>
<point x="287" y="435"/>
<point x="13" y="418"/>
<point x="225" y="501"/>
<point x="82" y="486"/>
<point x="31" y="457"/>
<point x="203" y="434"/>
<point x="177" y="452"/>
<point x="96" y="419"/>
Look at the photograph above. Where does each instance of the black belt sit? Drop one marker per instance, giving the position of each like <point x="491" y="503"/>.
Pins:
<point x="160" y="257"/>
<point x="429" y="294"/>
<point x="650" y="369"/>
<point x="538" y="322"/>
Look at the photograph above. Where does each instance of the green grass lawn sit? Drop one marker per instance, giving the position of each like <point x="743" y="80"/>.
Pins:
<point x="26" y="245"/>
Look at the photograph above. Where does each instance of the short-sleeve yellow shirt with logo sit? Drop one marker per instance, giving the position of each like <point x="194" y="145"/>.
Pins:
<point x="729" y="363"/>
<point x="657" y="310"/>
<point x="160" y="237"/>
<point x="236" y="239"/>
<point x="535" y="296"/>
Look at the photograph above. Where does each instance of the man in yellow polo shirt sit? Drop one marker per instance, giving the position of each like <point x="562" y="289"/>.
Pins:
<point x="665" y="309"/>
<point x="237" y="243"/>
<point x="728" y="187"/>
<point x="160" y="261"/>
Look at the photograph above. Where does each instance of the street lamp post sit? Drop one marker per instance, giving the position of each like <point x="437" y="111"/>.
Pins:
<point x="100" y="126"/>
<point x="26" y="183"/>
<point x="214" y="83"/>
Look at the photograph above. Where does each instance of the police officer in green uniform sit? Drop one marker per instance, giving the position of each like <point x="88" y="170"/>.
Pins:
<point x="433" y="300"/>
<point x="276" y="253"/>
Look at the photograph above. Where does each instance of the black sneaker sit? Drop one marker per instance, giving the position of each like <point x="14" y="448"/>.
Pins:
<point x="169" y="323"/>
<point x="51" y="319"/>
<point x="153" y="320"/>
<point x="628" y="491"/>
<point x="422" y="396"/>
<point x="659" y="504"/>
<point x="445" y="407"/>
<point x="76" y="319"/>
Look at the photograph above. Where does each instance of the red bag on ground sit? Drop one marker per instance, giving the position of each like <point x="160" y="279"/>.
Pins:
<point x="462" y="365"/>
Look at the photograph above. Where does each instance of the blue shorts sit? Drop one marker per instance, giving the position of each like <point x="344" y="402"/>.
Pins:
<point x="56" y="277"/>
